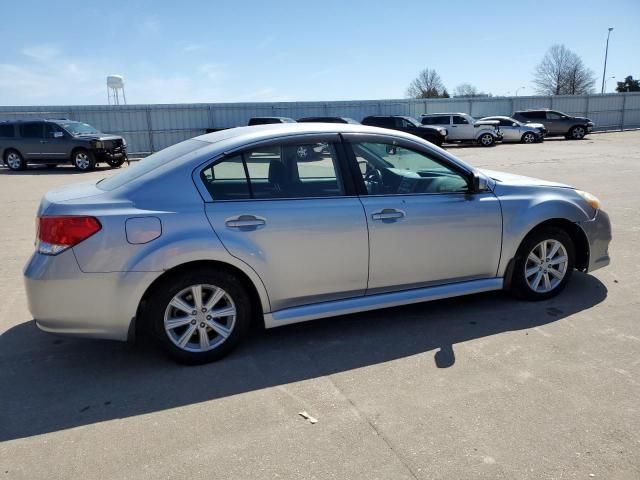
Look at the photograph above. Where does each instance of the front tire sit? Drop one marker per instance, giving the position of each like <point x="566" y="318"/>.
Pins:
<point x="543" y="264"/>
<point x="486" y="140"/>
<point x="528" y="137"/>
<point x="199" y="316"/>
<point x="117" y="163"/>
<point x="577" y="133"/>
<point x="83" y="160"/>
<point x="14" y="160"/>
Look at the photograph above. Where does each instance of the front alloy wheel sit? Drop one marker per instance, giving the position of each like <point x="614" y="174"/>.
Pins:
<point x="578" y="133"/>
<point x="83" y="160"/>
<point x="528" y="138"/>
<point x="486" y="140"/>
<point x="200" y="318"/>
<point x="546" y="266"/>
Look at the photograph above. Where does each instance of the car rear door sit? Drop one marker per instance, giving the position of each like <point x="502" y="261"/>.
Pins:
<point x="30" y="140"/>
<point x="425" y="227"/>
<point x="289" y="210"/>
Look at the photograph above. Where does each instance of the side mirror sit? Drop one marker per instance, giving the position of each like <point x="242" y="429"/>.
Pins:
<point x="514" y="124"/>
<point x="58" y="134"/>
<point x="479" y="184"/>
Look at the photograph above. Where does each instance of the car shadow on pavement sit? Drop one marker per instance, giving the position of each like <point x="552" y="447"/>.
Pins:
<point x="48" y="383"/>
<point x="59" y="170"/>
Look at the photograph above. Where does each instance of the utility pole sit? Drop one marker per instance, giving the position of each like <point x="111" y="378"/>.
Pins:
<point x="606" y="52"/>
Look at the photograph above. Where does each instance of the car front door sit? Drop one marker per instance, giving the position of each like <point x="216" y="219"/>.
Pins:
<point x="556" y="123"/>
<point x="56" y="145"/>
<point x="510" y="133"/>
<point x="289" y="210"/>
<point x="425" y="226"/>
<point x="30" y="140"/>
<point x="461" y="128"/>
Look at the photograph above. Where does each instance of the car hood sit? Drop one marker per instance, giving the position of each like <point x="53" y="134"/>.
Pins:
<point x="511" y="179"/>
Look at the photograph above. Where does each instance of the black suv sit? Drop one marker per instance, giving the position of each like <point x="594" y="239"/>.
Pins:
<point x="557" y="123"/>
<point x="269" y="120"/>
<point x="52" y="142"/>
<point x="436" y="135"/>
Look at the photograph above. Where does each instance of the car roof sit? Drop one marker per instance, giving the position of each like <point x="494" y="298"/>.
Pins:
<point x="443" y="113"/>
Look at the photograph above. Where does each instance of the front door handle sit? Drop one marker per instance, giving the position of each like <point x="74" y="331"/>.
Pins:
<point x="388" y="214"/>
<point x="245" y="221"/>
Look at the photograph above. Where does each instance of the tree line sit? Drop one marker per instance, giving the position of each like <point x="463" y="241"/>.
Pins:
<point x="560" y="72"/>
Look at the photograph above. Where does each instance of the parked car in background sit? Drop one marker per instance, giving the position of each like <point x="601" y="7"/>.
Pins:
<point x="54" y="142"/>
<point x="235" y="227"/>
<point x="515" y="131"/>
<point x="557" y="123"/>
<point x="464" y="128"/>
<point x="328" y="120"/>
<point x="269" y="120"/>
<point x="435" y="135"/>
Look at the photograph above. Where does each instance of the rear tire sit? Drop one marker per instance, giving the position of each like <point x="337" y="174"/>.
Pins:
<point x="14" y="160"/>
<point x="83" y="160"/>
<point x="199" y="336"/>
<point x="537" y="276"/>
<point x="486" y="140"/>
<point x="577" y="133"/>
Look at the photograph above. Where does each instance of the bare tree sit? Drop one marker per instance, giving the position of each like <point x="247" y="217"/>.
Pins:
<point x="468" y="90"/>
<point x="427" y="84"/>
<point x="562" y="72"/>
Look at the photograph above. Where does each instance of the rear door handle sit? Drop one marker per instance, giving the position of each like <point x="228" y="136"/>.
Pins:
<point x="387" y="214"/>
<point x="245" y="221"/>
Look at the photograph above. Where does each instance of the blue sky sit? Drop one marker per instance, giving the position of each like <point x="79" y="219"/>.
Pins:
<point x="247" y="51"/>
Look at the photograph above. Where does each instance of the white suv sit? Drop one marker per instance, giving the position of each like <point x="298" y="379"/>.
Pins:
<point x="462" y="127"/>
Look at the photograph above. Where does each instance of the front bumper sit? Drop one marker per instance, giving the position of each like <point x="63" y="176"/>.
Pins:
<point x="598" y="231"/>
<point x="64" y="300"/>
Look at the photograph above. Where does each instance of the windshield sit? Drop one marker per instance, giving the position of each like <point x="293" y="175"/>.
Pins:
<point x="412" y="121"/>
<point x="78" y="128"/>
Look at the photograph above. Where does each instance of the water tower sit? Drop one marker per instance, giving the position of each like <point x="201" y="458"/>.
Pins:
<point x="115" y="90"/>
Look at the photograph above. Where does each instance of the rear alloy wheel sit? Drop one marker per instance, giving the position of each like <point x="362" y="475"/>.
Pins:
<point x="486" y="140"/>
<point x="84" y="160"/>
<point x="528" y="138"/>
<point x="543" y="265"/>
<point x="15" y="161"/>
<point x="199" y="316"/>
<point x="577" y="133"/>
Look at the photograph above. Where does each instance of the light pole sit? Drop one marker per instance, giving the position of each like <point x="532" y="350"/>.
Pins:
<point x="519" y="88"/>
<point x="606" y="52"/>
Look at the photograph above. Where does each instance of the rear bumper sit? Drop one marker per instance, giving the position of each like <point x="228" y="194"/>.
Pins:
<point x="599" y="235"/>
<point x="64" y="300"/>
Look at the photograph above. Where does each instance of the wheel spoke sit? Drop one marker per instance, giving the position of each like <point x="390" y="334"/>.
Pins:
<point x="532" y="271"/>
<point x="543" y="250"/>
<point x="215" y="298"/>
<point x="536" y="281"/>
<point x="221" y="330"/>
<point x="204" y="339"/>
<point x="196" y="291"/>
<point x="181" y="305"/>
<point x="555" y="273"/>
<point x="534" y="258"/>
<point x="547" y="283"/>
<point x="554" y="249"/>
<point x="223" y="312"/>
<point x="186" y="336"/>
<point x="177" y="322"/>
<point x="558" y="260"/>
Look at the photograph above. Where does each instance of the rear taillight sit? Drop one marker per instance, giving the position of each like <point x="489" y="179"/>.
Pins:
<point x="56" y="234"/>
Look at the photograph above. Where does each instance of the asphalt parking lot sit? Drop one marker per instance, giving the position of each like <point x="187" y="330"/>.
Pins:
<point x="476" y="387"/>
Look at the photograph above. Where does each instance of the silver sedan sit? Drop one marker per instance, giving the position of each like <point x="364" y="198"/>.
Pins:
<point x="515" y="131"/>
<point x="279" y="224"/>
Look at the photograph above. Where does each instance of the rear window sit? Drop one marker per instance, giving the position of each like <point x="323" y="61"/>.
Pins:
<point x="7" y="130"/>
<point x="150" y="163"/>
<point x="31" y="130"/>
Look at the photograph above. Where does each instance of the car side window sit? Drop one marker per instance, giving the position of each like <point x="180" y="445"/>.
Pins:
<point x="458" y="120"/>
<point x="50" y="129"/>
<point x="554" y="116"/>
<point x="31" y="130"/>
<point x="277" y="172"/>
<point x="7" y="131"/>
<point x="388" y="169"/>
<point x="506" y="123"/>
